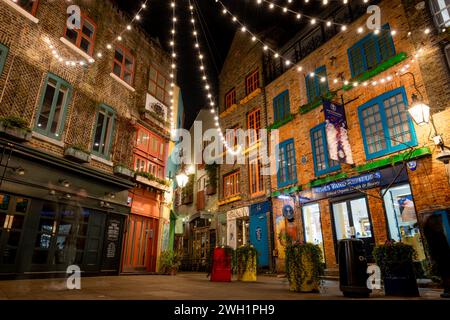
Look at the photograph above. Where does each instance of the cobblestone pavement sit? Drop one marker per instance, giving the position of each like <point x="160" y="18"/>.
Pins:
<point x="184" y="286"/>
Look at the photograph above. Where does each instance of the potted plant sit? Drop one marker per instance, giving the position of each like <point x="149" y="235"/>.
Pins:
<point x="123" y="171"/>
<point x="304" y="266"/>
<point x="395" y="260"/>
<point x="15" y="128"/>
<point x="170" y="261"/>
<point x="246" y="260"/>
<point x="211" y="170"/>
<point x="77" y="153"/>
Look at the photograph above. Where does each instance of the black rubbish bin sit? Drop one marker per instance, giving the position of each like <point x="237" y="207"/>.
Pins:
<point x="437" y="234"/>
<point x="353" y="269"/>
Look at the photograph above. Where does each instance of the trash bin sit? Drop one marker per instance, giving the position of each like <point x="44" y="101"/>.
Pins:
<point x="353" y="269"/>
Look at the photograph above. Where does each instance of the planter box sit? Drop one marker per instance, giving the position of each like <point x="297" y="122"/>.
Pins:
<point x="123" y="172"/>
<point x="210" y="190"/>
<point x="402" y="283"/>
<point x="303" y="280"/>
<point x="17" y="134"/>
<point x="152" y="183"/>
<point x="77" y="155"/>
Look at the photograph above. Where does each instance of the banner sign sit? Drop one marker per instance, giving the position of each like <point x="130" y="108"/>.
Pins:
<point x="337" y="132"/>
<point x="380" y="178"/>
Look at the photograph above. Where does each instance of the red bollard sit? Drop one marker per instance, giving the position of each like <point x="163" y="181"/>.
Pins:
<point x="221" y="266"/>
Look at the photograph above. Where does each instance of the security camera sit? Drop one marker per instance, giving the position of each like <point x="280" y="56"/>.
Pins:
<point x="444" y="156"/>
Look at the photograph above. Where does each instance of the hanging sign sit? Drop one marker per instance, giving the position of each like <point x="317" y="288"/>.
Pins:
<point x="337" y="132"/>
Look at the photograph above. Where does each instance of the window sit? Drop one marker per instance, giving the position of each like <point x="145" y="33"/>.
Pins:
<point x="312" y="226"/>
<point x="281" y="106"/>
<point x="286" y="169"/>
<point x="84" y="37"/>
<point x="252" y="82"/>
<point x="370" y="51"/>
<point x="256" y="178"/>
<point x="231" y="137"/>
<point x="3" y="53"/>
<point x="53" y="104"/>
<point x="386" y="125"/>
<point x="441" y="13"/>
<point x="103" y="132"/>
<point x="29" y="5"/>
<point x="317" y="84"/>
<point x="140" y="165"/>
<point x="322" y="162"/>
<point x="159" y="86"/>
<point x="142" y="140"/>
<point x="124" y="65"/>
<point x="231" y="184"/>
<point x="254" y="125"/>
<point x="230" y="98"/>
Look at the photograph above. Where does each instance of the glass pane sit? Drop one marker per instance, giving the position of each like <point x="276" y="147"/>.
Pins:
<point x="153" y="74"/>
<point x="40" y="256"/>
<point x="313" y="227"/>
<point x="17" y="222"/>
<point x="57" y="116"/>
<point x="21" y="205"/>
<point x="98" y="132"/>
<point x="88" y="29"/>
<point x="341" y="222"/>
<point x="26" y="4"/>
<point x="14" y="238"/>
<point x="46" y="107"/>
<point x="2" y="220"/>
<point x="129" y="64"/>
<point x="4" y="201"/>
<point x="360" y="217"/>
<point x="117" y="69"/>
<point x="118" y="55"/>
<point x="85" y="45"/>
<point x="9" y="255"/>
<point x="71" y="35"/>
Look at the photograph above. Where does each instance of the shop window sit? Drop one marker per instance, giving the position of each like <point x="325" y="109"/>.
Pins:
<point x="386" y="125"/>
<point x="252" y="82"/>
<point x="140" y="165"/>
<point x="370" y="51"/>
<point x="231" y="185"/>
<point x="230" y="98"/>
<point x="256" y="177"/>
<point x="254" y="125"/>
<point x="441" y="13"/>
<point x="231" y="137"/>
<point x="402" y="217"/>
<point x="123" y="66"/>
<point x="3" y="54"/>
<point x="84" y="37"/>
<point x="322" y="162"/>
<point x="142" y="140"/>
<point x="316" y="84"/>
<point x="159" y="86"/>
<point x="104" y="131"/>
<point x="286" y="169"/>
<point x="312" y="225"/>
<point x="281" y="106"/>
<point x="55" y="97"/>
<point x="28" y="5"/>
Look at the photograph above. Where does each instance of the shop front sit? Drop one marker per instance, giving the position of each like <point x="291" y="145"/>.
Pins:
<point x="260" y="214"/>
<point x="55" y="214"/>
<point x="372" y="207"/>
<point x="238" y="227"/>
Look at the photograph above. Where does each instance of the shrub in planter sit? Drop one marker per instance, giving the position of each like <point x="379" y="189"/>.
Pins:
<point x="304" y="266"/>
<point x="170" y="261"/>
<point x="246" y="263"/>
<point x="77" y="154"/>
<point x="123" y="171"/>
<point x="395" y="260"/>
<point x="15" y="128"/>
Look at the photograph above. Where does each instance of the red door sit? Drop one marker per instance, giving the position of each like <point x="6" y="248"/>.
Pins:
<point x="141" y="244"/>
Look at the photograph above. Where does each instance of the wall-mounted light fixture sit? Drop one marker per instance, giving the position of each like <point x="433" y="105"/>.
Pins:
<point x="65" y="183"/>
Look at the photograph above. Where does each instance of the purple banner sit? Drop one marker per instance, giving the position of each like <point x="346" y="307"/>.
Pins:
<point x="336" y="130"/>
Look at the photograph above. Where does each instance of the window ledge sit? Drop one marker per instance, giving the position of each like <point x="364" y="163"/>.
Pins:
<point x="42" y="137"/>
<point x="250" y="96"/>
<point x="122" y="82"/>
<point x="101" y="160"/>
<point x="77" y="50"/>
<point x="22" y="11"/>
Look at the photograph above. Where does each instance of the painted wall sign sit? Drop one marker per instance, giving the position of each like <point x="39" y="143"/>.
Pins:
<point x="337" y="132"/>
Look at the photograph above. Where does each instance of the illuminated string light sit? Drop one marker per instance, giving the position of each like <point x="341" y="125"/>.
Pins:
<point x="173" y="68"/>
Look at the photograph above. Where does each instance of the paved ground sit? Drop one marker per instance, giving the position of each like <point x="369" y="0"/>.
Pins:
<point x="184" y="286"/>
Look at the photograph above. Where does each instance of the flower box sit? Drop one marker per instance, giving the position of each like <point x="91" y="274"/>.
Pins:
<point x="123" y="171"/>
<point x="17" y="134"/>
<point x="151" y="183"/>
<point x="77" y="155"/>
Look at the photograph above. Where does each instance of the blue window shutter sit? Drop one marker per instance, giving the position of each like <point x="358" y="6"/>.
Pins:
<point x="285" y="176"/>
<point x="3" y="54"/>
<point x="319" y="133"/>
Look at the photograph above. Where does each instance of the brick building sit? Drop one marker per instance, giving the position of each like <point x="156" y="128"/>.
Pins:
<point x="243" y="197"/>
<point x="395" y="176"/>
<point x="68" y="187"/>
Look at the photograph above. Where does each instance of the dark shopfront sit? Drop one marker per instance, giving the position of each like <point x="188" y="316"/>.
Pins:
<point x="55" y="214"/>
<point x="372" y="207"/>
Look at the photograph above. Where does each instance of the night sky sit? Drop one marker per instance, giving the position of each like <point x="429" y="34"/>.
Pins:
<point x="219" y="31"/>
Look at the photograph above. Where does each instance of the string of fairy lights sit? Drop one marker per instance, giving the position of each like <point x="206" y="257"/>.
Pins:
<point x="207" y="86"/>
<point x="173" y="67"/>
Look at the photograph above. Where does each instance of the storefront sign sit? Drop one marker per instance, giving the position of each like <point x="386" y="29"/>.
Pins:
<point x="238" y="213"/>
<point x="337" y="132"/>
<point x="366" y="181"/>
<point x="232" y="215"/>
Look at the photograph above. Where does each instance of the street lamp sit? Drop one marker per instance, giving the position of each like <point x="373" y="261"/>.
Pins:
<point x="182" y="179"/>
<point x="419" y="111"/>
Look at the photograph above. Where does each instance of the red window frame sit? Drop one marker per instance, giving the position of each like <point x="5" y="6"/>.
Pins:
<point x="126" y="54"/>
<point x="254" y="125"/>
<point x="231" y="184"/>
<point x="166" y="88"/>
<point x="252" y="81"/>
<point x="33" y="7"/>
<point x="255" y="178"/>
<point x="230" y="98"/>
<point x="81" y="35"/>
<point x="231" y="136"/>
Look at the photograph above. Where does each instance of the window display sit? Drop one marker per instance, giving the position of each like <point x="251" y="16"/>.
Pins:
<point x="312" y="225"/>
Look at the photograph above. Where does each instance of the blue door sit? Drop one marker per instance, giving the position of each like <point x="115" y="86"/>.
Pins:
<point x="259" y="235"/>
